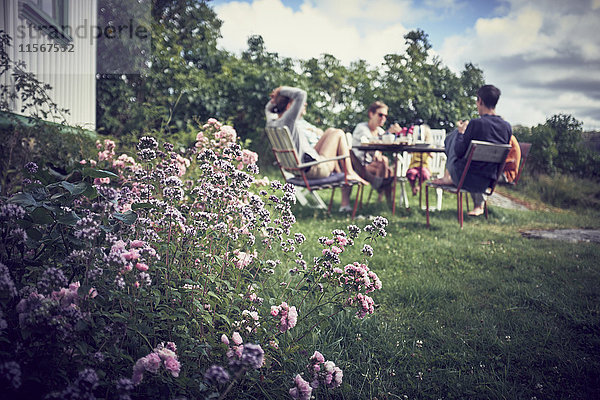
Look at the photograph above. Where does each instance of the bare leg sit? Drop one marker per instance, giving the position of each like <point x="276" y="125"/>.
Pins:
<point x="333" y="143"/>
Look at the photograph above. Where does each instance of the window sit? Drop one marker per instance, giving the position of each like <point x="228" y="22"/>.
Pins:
<point x="48" y="16"/>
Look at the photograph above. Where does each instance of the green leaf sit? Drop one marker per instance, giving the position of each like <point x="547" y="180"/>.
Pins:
<point x="41" y="216"/>
<point x="98" y="173"/>
<point x="69" y="219"/>
<point x="136" y="206"/>
<point x="90" y="192"/>
<point x="224" y="318"/>
<point x="75" y="189"/>
<point x="24" y="199"/>
<point x="128" y="217"/>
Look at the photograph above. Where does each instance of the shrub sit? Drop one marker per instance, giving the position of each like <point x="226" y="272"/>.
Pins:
<point x="169" y="276"/>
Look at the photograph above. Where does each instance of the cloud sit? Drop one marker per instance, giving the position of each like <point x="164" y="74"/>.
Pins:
<point x="350" y="30"/>
<point x="544" y="55"/>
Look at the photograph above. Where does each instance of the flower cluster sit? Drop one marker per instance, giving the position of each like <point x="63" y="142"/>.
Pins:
<point x="288" y="316"/>
<point x="364" y="303"/>
<point x="131" y="260"/>
<point x="10" y="373"/>
<point x="243" y="356"/>
<point x="106" y="150"/>
<point x="215" y="136"/>
<point x="324" y="372"/>
<point x="162" y="355"/>
<point x="301" y="390"/>
<point x="321" y="372"/>
<point x="358" y="277"/>
<point x="377" y="227"/>
<point x="58" y="314"/>
<point x="216" y="375"/>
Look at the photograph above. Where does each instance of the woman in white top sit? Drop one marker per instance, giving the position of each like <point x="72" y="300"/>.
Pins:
<point x="373" y="165"/>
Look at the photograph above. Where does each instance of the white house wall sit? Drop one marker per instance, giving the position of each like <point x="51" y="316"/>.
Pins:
<point x="72" y="75"/>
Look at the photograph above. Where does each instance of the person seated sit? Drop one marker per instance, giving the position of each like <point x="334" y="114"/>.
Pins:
<point x="312" y="133"/>
<point x="511" y="167"/>
<point x="373" y="166"/>
<point x="288" y="102"/>
<point x="419" y="163"/>
<point x="489" y="127"/>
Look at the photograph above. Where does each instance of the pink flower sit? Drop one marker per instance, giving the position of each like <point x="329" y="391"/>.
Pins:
<point x="237" y="339"/>
<point x="131" y="255"/>
<point x="173" y="366"/>
<point x="137" y="243"/>
<point x="225" y="339"/>
<point x="336" y="250"/>
<point x="302" y="389"/>
<point x="318" y="357"/>
<point x="100" y="181"/>
<point x="141" y="267"/>
<point x="152" y="362"/>
<point x="274" y="310"/>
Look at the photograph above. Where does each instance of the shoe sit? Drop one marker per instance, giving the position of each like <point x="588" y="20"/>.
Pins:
<point x="345" y="209"/>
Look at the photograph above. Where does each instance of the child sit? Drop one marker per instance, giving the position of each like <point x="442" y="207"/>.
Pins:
<point x="419" y="164"/>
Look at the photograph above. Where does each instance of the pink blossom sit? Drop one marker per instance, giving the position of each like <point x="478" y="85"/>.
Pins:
<point x="302" y="389"/>
<point x="243" y="259"/>
<point x="152" y="362"/>
<point x="137" y="243"/>
<point x="131" y="255"/>
<point x="101" y="181"/>
<point x="173" y="366"/>
<point x="342" y="240"/>
<point x="225" y="339"/>
<point x="318" y="357"/>
<point x="237" y="339"/>
<point x="336" y="250"/>
<point x="274" y="310"/>
<point x="141" y="267"/>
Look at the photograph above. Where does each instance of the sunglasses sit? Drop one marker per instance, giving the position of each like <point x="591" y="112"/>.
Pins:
<point x="382" y="114"/>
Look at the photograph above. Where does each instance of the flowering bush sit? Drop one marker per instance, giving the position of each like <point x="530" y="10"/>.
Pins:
<point x="100" y="268"/>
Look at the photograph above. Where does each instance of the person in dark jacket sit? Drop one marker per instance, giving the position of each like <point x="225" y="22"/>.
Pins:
<point x="489" y="127"/>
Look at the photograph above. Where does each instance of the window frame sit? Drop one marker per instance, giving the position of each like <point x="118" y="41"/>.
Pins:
<point x="53" y="27"/>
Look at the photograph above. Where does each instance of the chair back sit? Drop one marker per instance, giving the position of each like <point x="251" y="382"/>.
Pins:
<point x="437" y="165"/>
<point x="283" y="148"/>
<point x="486" y="152"/>
<point x="438" y="136"/>
<point x="525" y="147"/>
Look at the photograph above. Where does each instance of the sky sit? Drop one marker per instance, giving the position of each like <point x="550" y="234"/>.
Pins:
<point x="544" y="55"/>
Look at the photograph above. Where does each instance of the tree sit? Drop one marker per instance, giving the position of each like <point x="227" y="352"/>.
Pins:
<point x="416" y="86"/>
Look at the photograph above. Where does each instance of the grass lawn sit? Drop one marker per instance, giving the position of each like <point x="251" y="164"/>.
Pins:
<point x="472" y="313"/>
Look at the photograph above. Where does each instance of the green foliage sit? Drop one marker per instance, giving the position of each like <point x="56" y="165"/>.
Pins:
<point x="190" y="78"/>
<point x="558" y="146"/>
<point x="562" y="190"/>
<point x="25" y="140"/>
<point x="137" y="276"/>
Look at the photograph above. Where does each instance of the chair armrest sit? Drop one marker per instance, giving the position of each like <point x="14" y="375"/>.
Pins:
<point x="310" y="164"/>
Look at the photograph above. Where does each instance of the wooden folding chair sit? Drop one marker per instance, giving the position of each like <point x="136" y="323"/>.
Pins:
<point x="477" y="151"/>
<point x="294" y="172"/>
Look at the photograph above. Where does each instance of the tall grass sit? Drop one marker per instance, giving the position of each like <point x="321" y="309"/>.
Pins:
<point x="564" y="191"/>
